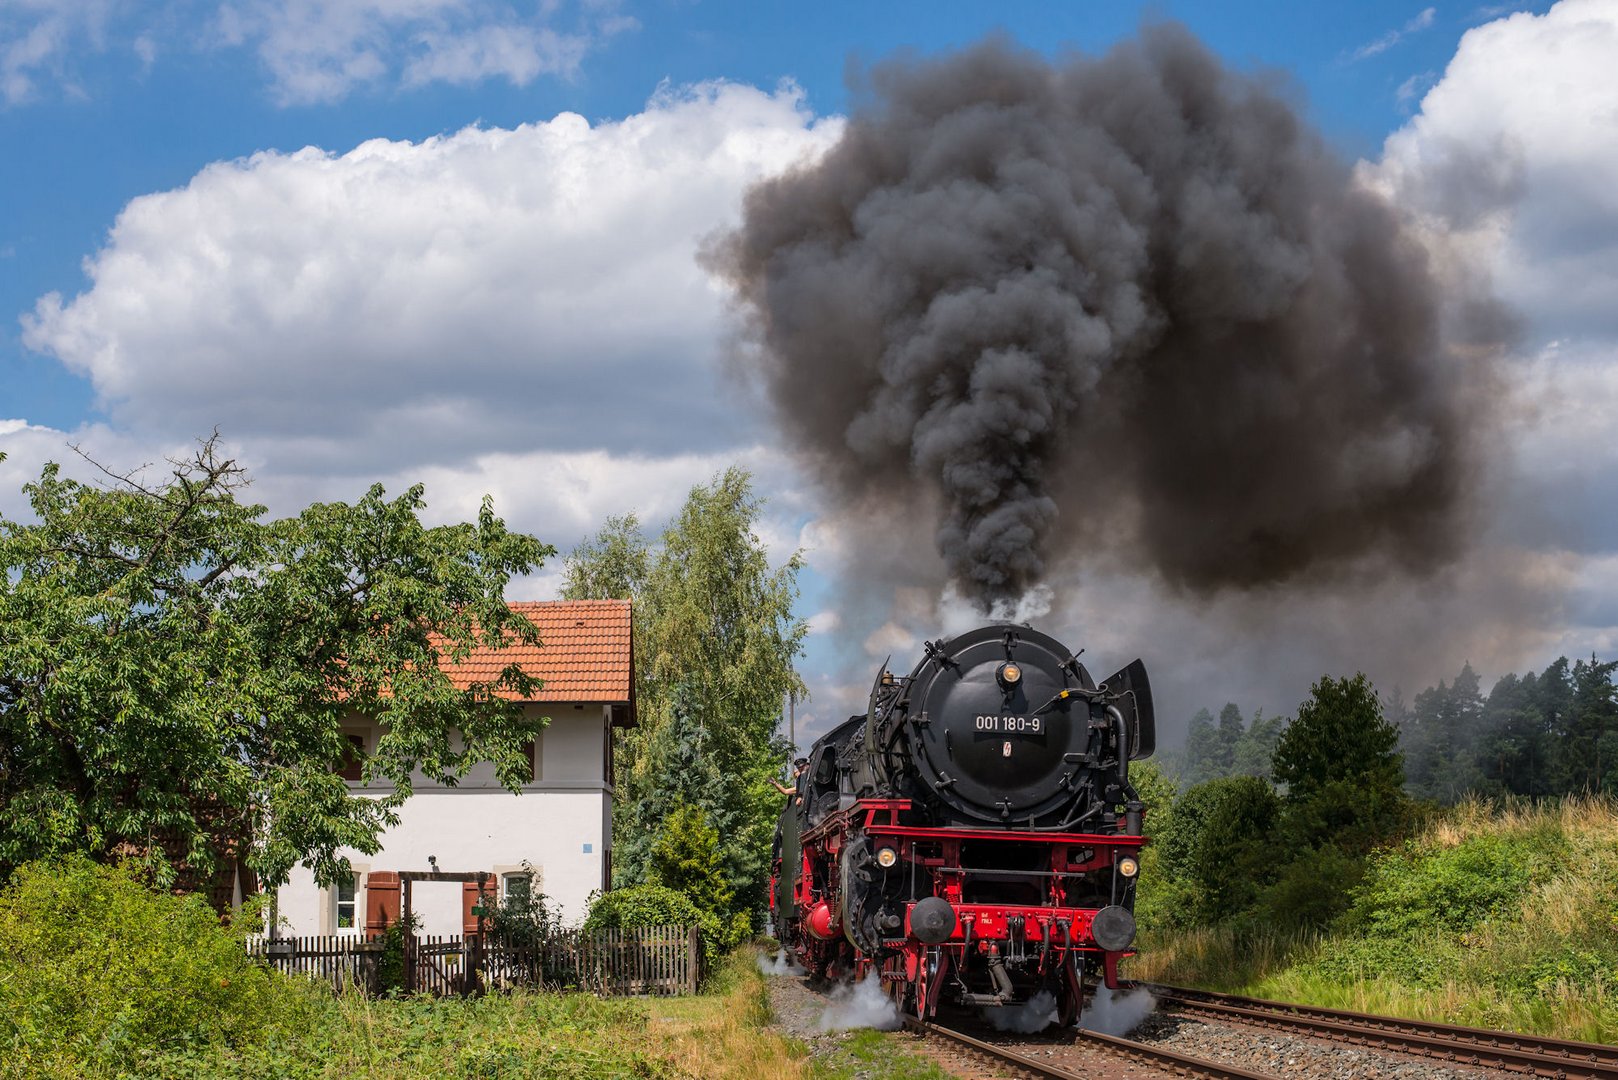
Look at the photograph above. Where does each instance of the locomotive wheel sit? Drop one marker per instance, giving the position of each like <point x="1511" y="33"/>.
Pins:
<point x="897" y="982"/>
<point x="1069" y="993"/>
<point x="933" y="969"/>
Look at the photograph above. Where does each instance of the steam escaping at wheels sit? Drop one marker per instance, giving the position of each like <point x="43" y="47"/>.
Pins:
<point x="861" y="1005"/>
<point x="781" y="964"/>
<point x="972" y="838"/>
<point x="1118" y="1012"/>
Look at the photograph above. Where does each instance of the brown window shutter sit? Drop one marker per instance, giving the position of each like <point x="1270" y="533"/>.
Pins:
<point x="381" y="901"/>
<point x="533" y="770"/>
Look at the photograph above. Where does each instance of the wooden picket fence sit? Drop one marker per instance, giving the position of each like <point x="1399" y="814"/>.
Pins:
<point x="333" y="959"/>
<point x="644" y="960"/>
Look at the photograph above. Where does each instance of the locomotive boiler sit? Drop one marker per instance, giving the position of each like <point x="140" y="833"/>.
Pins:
<point x="972" y="837"/>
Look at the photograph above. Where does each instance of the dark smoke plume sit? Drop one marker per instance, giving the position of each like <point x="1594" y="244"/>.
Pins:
<point x="1129" y="304"/>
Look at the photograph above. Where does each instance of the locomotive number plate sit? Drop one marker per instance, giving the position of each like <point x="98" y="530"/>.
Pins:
<point x="1011" y="725"/>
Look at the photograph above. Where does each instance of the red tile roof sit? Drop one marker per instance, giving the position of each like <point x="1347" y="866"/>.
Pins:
<point x="584" y="656"/>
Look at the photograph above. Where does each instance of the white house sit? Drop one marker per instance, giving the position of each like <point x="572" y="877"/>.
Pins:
<point x="560" y="825"/>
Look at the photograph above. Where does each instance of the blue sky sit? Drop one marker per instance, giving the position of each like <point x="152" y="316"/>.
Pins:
<point x="309" y="304"/>
<point x="101" y="125"/>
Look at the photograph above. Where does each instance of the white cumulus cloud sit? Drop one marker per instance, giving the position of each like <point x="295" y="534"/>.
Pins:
<point x="510" y="312"/>
<point x="404" y="304"/>
<point x="1516" y="148"/>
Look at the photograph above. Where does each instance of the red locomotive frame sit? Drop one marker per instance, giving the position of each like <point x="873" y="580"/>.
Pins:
<point x="1050" y="944"/>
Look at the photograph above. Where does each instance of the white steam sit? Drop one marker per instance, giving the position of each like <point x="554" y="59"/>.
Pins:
<point x="1117" y="1013"/>
<point x="1029" y="1018"/>
<point x="862" y="1006"/>
<point x="783" y="964"/>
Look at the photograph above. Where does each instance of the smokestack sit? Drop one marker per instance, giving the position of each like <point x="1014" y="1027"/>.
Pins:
<point x="1129" y="306"/>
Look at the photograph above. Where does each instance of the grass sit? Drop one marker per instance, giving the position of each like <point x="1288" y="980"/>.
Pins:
<point x="721" y="1034"/>
<point x="1501" y="917"/>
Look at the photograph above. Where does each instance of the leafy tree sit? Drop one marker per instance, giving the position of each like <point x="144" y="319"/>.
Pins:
<point x="1340" y="765"/>
<point x="1156" y="790"/>
<point x="1555" y="706"/>
<point x="1229" y="747"/>
<point x="1313" y="887"/>
<point x="611" y="565"/>
<point x="1512" y="748"/>
<point x="715" y="640"/>
<point x="175" y="669"/>
<point x="1159" y="900"/>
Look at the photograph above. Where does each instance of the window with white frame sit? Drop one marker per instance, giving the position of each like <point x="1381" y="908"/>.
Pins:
<point x="516" y="887"/>
<point x="345" y="901"/>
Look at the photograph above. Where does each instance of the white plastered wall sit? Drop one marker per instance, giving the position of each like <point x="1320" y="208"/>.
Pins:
<point x="561" y="824"/>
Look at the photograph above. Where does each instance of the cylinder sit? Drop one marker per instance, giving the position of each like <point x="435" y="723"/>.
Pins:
<point x="821" y="923"/>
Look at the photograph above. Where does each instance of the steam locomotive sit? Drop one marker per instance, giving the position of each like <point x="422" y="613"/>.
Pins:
<point x="973" y="837"/>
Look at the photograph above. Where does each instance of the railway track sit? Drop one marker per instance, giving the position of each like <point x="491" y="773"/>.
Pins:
<point x="1126" y="1050"/>
<point x="1527" y="1054"/>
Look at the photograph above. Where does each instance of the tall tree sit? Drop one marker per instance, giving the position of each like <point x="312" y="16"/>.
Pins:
<point x="715" y="642"/>
<point x="1340" y="764"/>
<point x="1231" y="729"/>
<point x="1256" y="751"/>
<point x="174" y="668"/>
<point x="1588" y="750"/>
<point x="611" y="565"/>
<point x="1511" y="749"/>
<point x="1441" y="737"/>
<point x="1201" y="749"/>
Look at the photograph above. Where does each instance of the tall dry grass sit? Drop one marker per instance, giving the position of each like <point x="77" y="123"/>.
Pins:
<point x="726" y="1034"/>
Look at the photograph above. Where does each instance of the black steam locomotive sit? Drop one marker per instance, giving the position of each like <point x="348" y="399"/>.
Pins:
<point x="973" y="837"/>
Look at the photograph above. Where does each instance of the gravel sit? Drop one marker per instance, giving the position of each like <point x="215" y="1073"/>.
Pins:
<point x="798" y="1010"/>
<point x="1290" y="1055"/>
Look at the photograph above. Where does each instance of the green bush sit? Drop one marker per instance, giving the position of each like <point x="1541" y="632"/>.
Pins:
<point x="1413" y="888"/>
<point x="98" y="971"/>
<point x="658" y="905"/>
<point x="1313" y="889"/>
<point x="1213" y="854"/>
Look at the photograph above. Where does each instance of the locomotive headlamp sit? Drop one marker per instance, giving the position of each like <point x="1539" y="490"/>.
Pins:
<point x="1128" y="867"/>
<point x="1010" y="674"/>
<point x="886" y="857"/>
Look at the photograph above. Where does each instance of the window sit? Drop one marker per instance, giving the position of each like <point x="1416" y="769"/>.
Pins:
<point x="353" y="758"/>
<point x="347" y="896"/>
<point x="515" y="887"/>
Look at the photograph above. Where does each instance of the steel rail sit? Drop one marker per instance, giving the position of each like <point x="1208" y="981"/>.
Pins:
<point x="1537" y="1055"/>
<point x="1180" y="1064"/>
